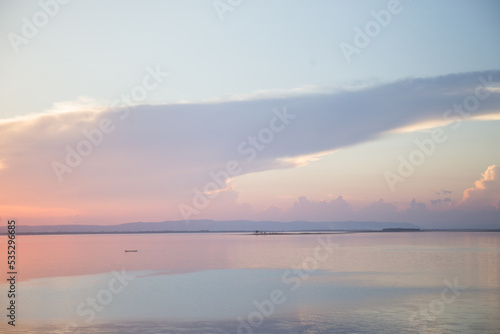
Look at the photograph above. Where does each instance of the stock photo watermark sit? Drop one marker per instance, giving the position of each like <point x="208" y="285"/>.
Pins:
<point x="95" y="137"/>
<point x="104" y="297"/>
<point x="11" y="272"/>
<point x="292" y="279"/>
<point x="430" y="312"/>
<point x="30" y="27"/>
<point x="222" y="7"/>
<point x="249" y="149"/>
<point x="427" y="146"/>
<point x="93" y="305"/>
<point x="371" y="30"/>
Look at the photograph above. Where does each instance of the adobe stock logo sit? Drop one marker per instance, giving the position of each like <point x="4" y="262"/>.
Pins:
<point x="363" y="37"/>
<point x="248" y="148"/>
<point x="292" y="279"/>
<point x="105" y="296"/>
<point x="94" y="137"/>
<point x="31" y="27"/>
<point x="223" y="6"/>
<point x="426" y="314"/>
<point x="426" y="147"/>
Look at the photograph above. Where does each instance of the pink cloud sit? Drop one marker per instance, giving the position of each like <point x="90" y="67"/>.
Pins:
<point x="486" y="191"/>
<point x="99" y="167"/>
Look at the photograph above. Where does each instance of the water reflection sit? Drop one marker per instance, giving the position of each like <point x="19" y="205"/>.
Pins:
<point x="204" y="282"/>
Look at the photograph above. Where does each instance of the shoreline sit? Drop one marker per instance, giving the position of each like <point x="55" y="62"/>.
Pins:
<point x="264" y="233"/>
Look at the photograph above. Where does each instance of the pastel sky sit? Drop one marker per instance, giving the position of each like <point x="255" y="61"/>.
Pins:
<point x="123" y="111"/>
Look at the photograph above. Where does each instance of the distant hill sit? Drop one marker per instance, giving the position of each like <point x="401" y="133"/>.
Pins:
<point x="212" y="226"/>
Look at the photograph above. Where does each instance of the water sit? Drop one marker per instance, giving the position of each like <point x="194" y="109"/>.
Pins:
<point x="426" y="282"/>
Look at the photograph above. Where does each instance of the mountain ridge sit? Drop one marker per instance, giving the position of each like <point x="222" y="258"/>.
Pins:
<point x="211" y="226"/>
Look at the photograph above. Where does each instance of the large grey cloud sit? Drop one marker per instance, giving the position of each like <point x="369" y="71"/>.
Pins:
<point x="161" y="152"/>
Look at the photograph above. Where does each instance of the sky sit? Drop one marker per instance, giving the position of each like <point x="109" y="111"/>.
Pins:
<point x="126" y="111"/>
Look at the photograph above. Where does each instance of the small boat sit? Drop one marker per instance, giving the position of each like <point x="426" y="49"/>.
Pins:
<point x="130" y="250"/>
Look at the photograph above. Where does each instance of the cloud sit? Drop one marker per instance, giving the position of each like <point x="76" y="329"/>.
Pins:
<point x="304" y="209"/>
<point x="413" y="212"/>
<point x="377" y="210"/>
<point x="141" y="162"/>
<point x="414" y="205"/>
<point x="486" y="191"/>
<point x="337" y="209"/>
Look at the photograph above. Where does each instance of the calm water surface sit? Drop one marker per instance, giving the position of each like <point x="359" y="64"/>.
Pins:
<point x="426" y="282"/>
